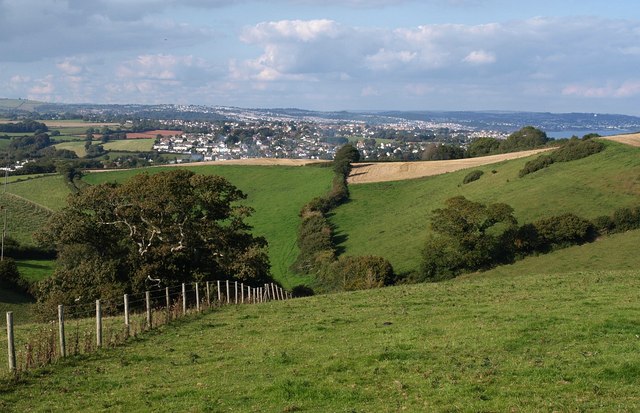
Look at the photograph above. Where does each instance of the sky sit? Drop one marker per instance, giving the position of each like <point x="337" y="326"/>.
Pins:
<point x="543" y="55"/>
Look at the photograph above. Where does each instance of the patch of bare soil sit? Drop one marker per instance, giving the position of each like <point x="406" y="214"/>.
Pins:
<point x="397" y="171"/>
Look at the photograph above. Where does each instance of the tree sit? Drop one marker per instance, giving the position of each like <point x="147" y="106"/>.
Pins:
<point x="439" y="152"/>
<point x="466" y="237"/>
<point x="523" y="139"/>
<point x="483" y="146"/>
<point x="174" y="226"/>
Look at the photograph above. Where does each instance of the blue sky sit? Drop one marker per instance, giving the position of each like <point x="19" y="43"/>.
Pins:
<point x="552" y="56"/>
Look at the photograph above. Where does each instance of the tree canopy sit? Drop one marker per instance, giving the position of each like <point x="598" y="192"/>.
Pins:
<point x="174" y="226"/>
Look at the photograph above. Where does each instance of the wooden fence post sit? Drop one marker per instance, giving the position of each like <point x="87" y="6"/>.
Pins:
<point x="235" y="289"/>
<point x="219" y="293"/>
<point x="242" y="291"/>
<point x="147" y="299"/>
<point x="197" y="298"/>
<point x="126" y="312"/>
<point x="11" y="345"/>
<point x="184" y="299"/>
<point x="98" y="324"/>
<point x="63" y="344"/>
<point x="167" y="299"/>
<point x="208" y="295"/>
<point x="228" y="293"/>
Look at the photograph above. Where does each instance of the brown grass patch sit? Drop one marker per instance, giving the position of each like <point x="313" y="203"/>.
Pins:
<point x="397" y="171"/>
<point x="632" y="139"/>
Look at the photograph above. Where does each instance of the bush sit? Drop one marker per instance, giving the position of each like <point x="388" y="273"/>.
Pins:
<point x="302" y="291"/>
<point x="625" y="219"/>
<point x="604" y="224"/>
<point x="564" y="230"/>
<point x="472" y="176"/>
<point x="360" y="273"/>
<point x="10" y="277"/>
<point x="576" y="149"/>
<point x="534" y="165"/>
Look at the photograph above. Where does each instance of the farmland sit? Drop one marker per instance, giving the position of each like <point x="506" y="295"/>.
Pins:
<point x="492" y="342"/>
<point x="391" y="219"/>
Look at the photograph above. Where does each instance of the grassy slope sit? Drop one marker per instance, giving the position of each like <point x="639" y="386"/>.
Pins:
<point x="488" y="343"/>
<point x="276" y="193"/>
<point x="75" y="146"/>
<point x="391" y="219"/>
<point x="23" y="218"/>
<point x="132" y="145"/>
<point x="49" y="191"/>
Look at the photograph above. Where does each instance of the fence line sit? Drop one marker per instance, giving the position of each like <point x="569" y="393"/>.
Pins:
<point x="152" y="309"/>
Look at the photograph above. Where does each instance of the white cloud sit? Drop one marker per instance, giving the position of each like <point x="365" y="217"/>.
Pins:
<point x="480" y="57"/>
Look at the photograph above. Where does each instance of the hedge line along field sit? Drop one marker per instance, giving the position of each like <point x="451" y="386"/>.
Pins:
<point x="524" y="342"/>
<point x="277" y="193"/>
<point x="391" y="219"/>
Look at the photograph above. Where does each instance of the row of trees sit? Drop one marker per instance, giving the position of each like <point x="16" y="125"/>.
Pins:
<point x="317" y="245"/>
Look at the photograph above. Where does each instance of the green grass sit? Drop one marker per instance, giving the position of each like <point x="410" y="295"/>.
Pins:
<point x="67" y="138"/>
<point x="35" y="270"/>
<point x="130" y="145"/>
<point x="75" y="146"/>
<point x="23" y="218"/>
<point x="391" y="219"/>
<point x="276" y="193"/>
<point x="49" y="191"/>
<point x="523" y="343"/>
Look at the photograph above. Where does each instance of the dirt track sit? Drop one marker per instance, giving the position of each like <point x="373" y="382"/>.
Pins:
<point x="632" y="139"/>
<point x="396" y="171"/>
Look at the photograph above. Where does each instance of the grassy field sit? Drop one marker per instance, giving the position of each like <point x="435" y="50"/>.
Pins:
<point x="23" y="218"/>
<point x="276" y="193"/>
<point x="391" y="219"/>
<point x="130" y="145"/>
<point x="36" y="270"/>
<point x="526" y="343"/>
<point x="49" y="191"/>
<point x="75" y="146"/>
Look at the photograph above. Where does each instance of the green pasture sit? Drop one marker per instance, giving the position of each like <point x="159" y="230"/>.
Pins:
<point x="35" y="270"/>
<point x="130" y="145"/>
<point x="391" y="219"/>
<point x="49" y="191"/>
<point x="277" y="193"/>
<point x="67" y="138"/>
<point x="23" y="218"/>
<point x="75" y="146"/>
<point x="524" y="342"/>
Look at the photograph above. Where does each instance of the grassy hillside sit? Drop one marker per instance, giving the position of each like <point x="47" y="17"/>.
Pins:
<point x="391" y="219"/>
<point x="276" y="193"/>
<point x="132" y="145"/>
<point x="48" y="191"/>
<point x="23" y="217"/>
<point x="520" y="343"/>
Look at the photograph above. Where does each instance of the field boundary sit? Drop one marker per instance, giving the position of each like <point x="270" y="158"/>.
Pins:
<point x="21" y="198"/>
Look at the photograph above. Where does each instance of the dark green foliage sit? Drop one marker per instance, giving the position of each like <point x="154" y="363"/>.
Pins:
<point x="472" y="176"/>
<point x="25" y="126"/>
<point x="302" y="291"/>
<point x="347" y="152"/>
<point x="536" y="164"/>
<point x="625" y="219"/>
<point x="604" y="224"/>
<point x="357" y="273"/>
<point x="563" y="230"/>
<point x="435" y="152"/>
<point x="483" y="147"/>
<point x="468" y="236"/>
<point x="10" y="277"/>
<point x="526" y="138"/>
<point x="572" y="150"/>
<point x="315" y="239"/>
<point x="576" y="149"/>
<point x="174" y="226"/>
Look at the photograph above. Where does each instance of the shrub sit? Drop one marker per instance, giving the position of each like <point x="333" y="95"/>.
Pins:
<point x="625" y="219"/>
<point x="302" y="291"/>
<point x="472" y="176"/>
<point x="576" y="149"/>
<point x="604" y="224"/>
<point x="10" y="277"/>
<point x="564" y="230"/>
<point x="360" y="273"/>
<point x="534" y="165"/>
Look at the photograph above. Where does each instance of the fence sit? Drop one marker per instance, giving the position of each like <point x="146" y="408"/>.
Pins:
<point x="111" y="322"/>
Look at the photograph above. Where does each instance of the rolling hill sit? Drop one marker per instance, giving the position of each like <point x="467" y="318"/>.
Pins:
<point x="391" y="219"/>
